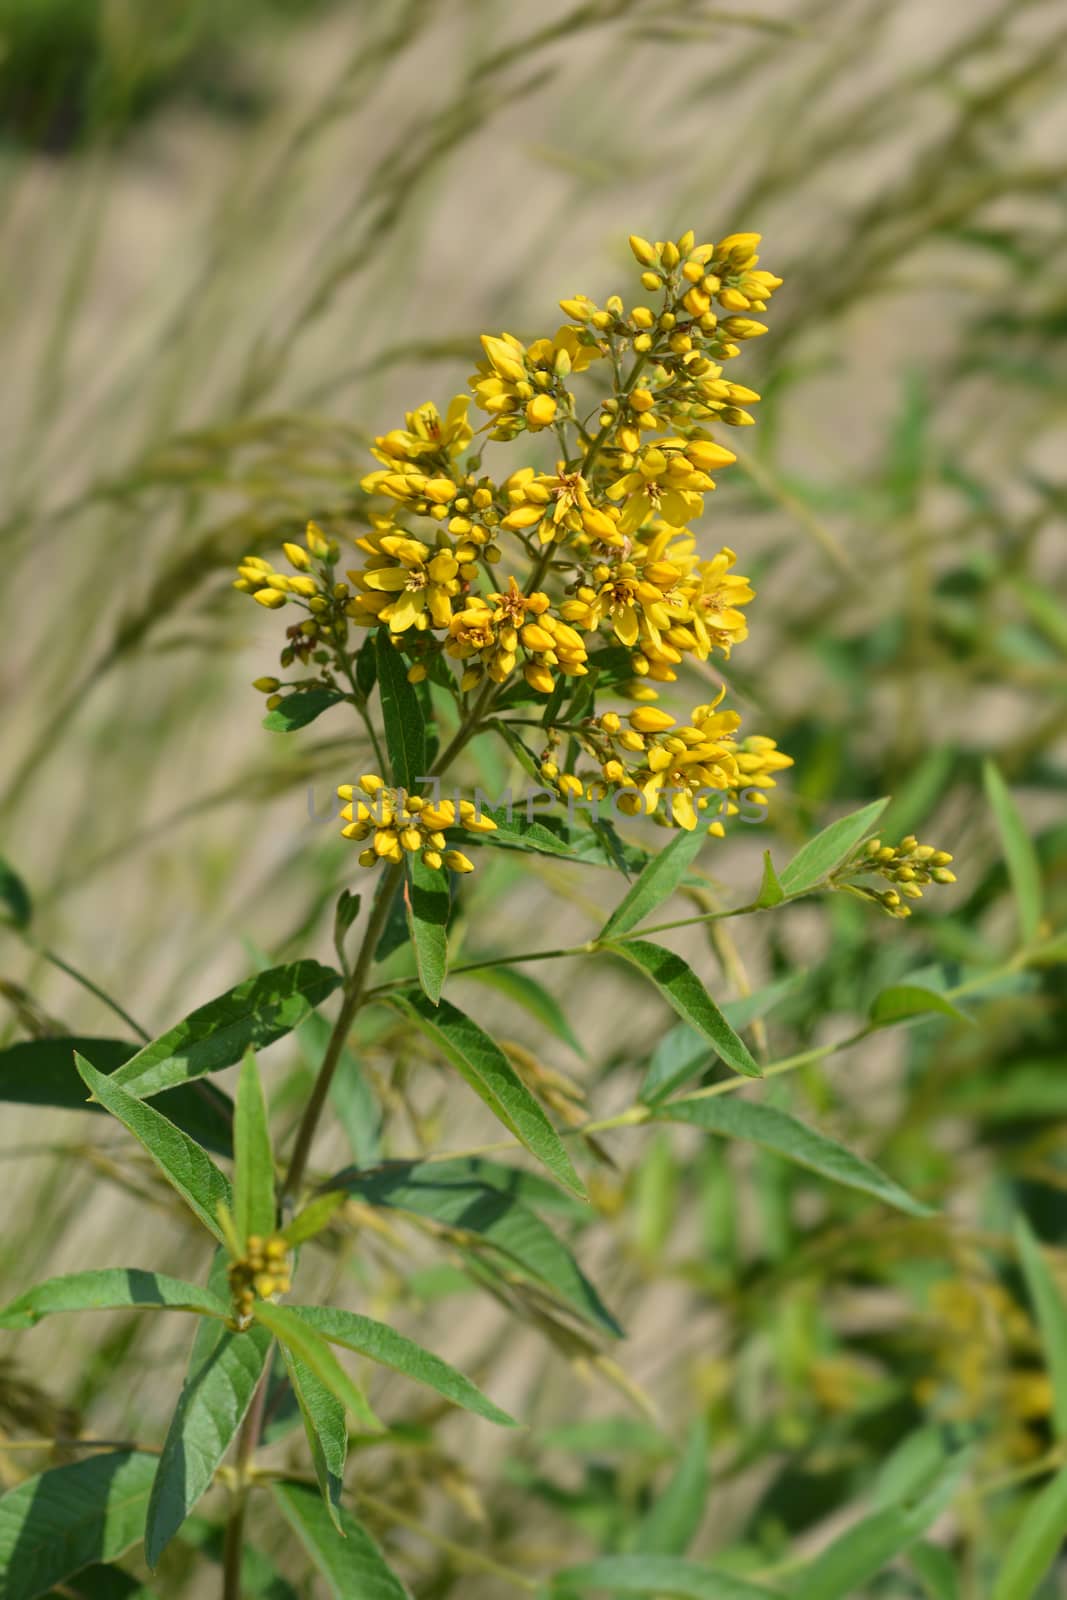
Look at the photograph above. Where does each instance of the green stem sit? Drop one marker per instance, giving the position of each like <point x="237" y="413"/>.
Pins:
<point x="235" y="1526"/>
<point x="92" y="988"/>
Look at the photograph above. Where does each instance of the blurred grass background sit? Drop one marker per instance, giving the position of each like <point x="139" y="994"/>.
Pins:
<point x="238" y="239"/>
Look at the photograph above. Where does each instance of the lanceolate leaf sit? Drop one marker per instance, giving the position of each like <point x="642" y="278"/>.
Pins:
<point x="458" y="1201"/>
<point x="904" y="1000"/>
<point x="829" y="848"/>
<point x="1024" y="869"/>
<point x="327" y="1432"/>
<point x="180" y="1159"/>
<point x="1051" y="1311"/>
<point x="315" y="1216"/>
<point x="111" y="1289"/>
<point x="300" y="708"/>
<point x="771" y="892"/>
<point x="255" y="1013"/>
<point x="41" y="1072"/>
<point x="671" y="1525"/>
<point x="54" y="1524"/>
<point x="1036" y="1543"/>
<point x="735" y="1118"/>
<point x="16" y="907"/>
<point x="427" y="904"/>
<point x="383" y="1344"/>
<point x="353" y="1566"/>
<point x="405" y="730"/>
<point x="224" y="1370"/>
<point x="658" y="1577"/>
<point x="493" y="1078"/>
<point x="253" y="1182"/>
<point x="533" y="997"/>
<point x="657" y="882"/>
<point x="682" y="989"/>
<point x="301" y="1340"/>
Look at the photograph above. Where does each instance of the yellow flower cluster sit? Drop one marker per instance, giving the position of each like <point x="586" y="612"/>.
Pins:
<point x="262" y="1271"/>
<point x="910" y="867"/>
<point x="397" y="823"/>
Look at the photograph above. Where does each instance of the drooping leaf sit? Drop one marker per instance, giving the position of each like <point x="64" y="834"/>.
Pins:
<point x="253" y="1177"/>
<point x="657" y="883"/>
<point x="326" y="1428"/>
<point x="41" y="1072"/>
<point x="380" y="1343"/>
<point x="735" y="1118"/>
<point x="683" y="990"/>
<point x="1024" y="869"/>
<point x="492" y="1077"/>
<point x="62" y="1520"/>
<point x="300" y="708"/>
<point x="405" y="728"/>
<point x="298" y="1336"/>
<point x="829" y="848"/>
<point x="224" y="1370"/>
<point x="771" y="892"/>
<point x="352" y="1565"/>
<point x="216" y="1035"/>
<point x="110" y="1289"/>
<point x="427" y="903"/>
<point x="180" y="1159"/>
<point x="16" y="906"/>
<point x="903" y="1000"/>
<point x="670" y="1526"/>
<point x="658" y="1577"/>
<point x="533" y="997"/>
<point x="1051" y="1311"/>
<point x="447" y="1194"/>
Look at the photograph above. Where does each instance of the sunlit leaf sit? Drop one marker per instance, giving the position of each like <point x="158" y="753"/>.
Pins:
<point x="657" y="882"/>
<point x="829" y="848"/>
<point x="427" y="904"/>
<point x="326" y="1428"/>
<point x="291" y="1329"/>
<point x="683" y="990"/>
<point x="54" y="1524"/>
<point x="405" y="729"/>
<point x="352" y="1565"/>
<point x="300" y="708"/>
<point x="110" y="1289"/>
<point x="1024" y="869"/>
<point x="253" y="1179"/>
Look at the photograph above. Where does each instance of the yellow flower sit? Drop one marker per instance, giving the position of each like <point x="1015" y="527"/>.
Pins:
<point x="713" y="620"/>
<point x="407" y="583"/>
<point x="514" y="383"/>
<point x="667" y="480"/>
<point x="399" y="824"/>
<point x="427" y="434"/>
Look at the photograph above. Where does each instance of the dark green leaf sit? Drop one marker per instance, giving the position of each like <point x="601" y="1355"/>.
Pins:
<point x="533" y="997"/>
<point x="671" y="1525"/>
<point x="110" y="1289"/>
<point x="492" y="1077"/>
<point x="383" y="1344"/>
<point x="253" y="1176"/>
<point x="405" y="728"/>
<point x="1051" y="1312"/>
<point x="427" y="904"/>
<point x="224" y="1369"/>
<point x="182" y="1162"/>
<point x="829" y="848"/>
<point x="300" y="708"/>
<point x="327" y="1432"/>
<point x="102" y="1583"/>
<point x="215" y="1035"/>
<point x="301" y="1340"/>
<point x="16" y="907"/>
<point x="60" y="1521"/>
<point x="353" y="1566"/>
<point x="682" y="989"/>
<point x="659" y="1577"/>
<point x="657" y="883"/>
<point x="735" y="1118"/>
<point x="1024" y="869"/>
<point x="446" y="1193"/>
<point x="41" y="1072"/>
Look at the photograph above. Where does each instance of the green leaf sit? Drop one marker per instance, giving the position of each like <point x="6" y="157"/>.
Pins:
<point x="1051" y="1312"/>
<point x="448" y="1194"/>
<point x="671" y="1525"/>
<point x="300" y="708"/>
<point x="405" y="728"/>
<point x="16" y="907"/>
<point x="224" y="1370"/>
<point x="492" y="1077"/>
<point x="427" y="904"/>
<point x="110" y="1289"/>
<point x="215" y="1035"/>
<point x="657" y="883"/>
<point x="180" y="1159"/>
<point x="353" y="1565"/>
<point x="1036" y="1543"/>
<point x="301" y="1340"/>
<point x="62" y="1520"/>
<point x="327" y="1432"/>
<point x="771" y="892"/>
<point x="1024" y="869"/>
<point x="935" y="1569"/>
<point x="102" y="1583"/>
<point x="351" y="1096"/>
<point x="903" y="1000"/>
<point x="735" y="1118"/>
<point x="682" y="989"/>
<point x="41" y="1072"/>
<point x="383" y="1344"/>
<point x="314" y="1218"/>
<point x="253" y="1176"/>
<point x="659" y="1576"/>
<point x="829" y="848"/>
<point x="533" y="997"/>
